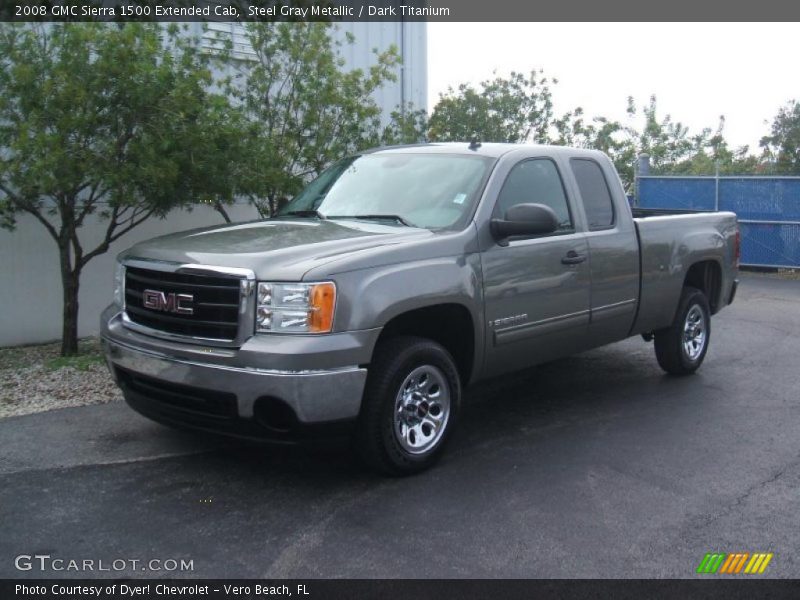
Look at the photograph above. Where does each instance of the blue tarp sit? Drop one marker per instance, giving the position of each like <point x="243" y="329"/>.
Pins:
<point x="775" y="199"/>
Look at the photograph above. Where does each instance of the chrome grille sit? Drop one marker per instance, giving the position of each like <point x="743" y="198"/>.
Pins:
<point x="216" y="302"/>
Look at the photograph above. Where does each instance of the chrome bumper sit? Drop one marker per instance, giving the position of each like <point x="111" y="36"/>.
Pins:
<point x="315" y="396"/>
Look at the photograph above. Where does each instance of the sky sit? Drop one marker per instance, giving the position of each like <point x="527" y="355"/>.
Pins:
<point x="698" y="71"/>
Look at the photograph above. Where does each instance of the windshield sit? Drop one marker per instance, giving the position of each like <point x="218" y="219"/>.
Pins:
<point x="432" y="191"/>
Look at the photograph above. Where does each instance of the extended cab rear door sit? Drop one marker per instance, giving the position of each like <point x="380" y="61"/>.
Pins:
<point x="613" y="248"/>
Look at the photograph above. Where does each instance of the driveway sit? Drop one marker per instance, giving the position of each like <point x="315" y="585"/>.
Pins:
<point x="594" y="466"/>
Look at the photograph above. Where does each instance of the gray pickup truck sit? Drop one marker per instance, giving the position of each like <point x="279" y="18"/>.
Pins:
<point x="397" y="278"/>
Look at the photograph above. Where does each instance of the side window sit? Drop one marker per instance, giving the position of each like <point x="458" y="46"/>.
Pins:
<point x="536" y="181"/>
<point x="594" y="192"/>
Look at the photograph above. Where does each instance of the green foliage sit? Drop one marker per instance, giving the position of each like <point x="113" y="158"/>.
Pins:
<point x="112" y="120"/>
<point x="108" y="118"/>
<point x="79" y="362"/>
<point x="671" y="147"/>
<point x="406" y="126"/>
<point x="674" y="152"/>
<point x="303" y="109"/>
<point x="782" y="145"/>
<point x="515" y="109"/>
<point x="519" y="109"/>
<point x="614" y="138"/>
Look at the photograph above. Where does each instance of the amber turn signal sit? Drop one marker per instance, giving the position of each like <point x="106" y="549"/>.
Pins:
<point x="322" y="302"/>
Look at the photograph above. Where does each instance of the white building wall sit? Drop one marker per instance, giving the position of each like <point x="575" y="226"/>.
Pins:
<point x="410" y="39"/>
<point x="30" y="278"/>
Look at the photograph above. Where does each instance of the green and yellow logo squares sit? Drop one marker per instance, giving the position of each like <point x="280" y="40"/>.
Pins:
<point x="737" y="562"/>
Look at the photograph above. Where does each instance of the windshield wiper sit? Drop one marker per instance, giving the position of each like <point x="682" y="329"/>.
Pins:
<point x="396" y="218"/>
<point x="304" y="213"/>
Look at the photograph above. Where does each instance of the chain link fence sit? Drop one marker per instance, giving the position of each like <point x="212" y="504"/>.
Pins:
<point x="768" y="209"/>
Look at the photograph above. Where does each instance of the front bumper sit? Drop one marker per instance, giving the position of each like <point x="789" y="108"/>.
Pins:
<point x="190" y="384"/>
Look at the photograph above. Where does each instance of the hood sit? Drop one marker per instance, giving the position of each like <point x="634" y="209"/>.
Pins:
<point x="276" y="249"/>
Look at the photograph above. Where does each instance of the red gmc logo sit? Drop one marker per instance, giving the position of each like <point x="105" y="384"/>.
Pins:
<point x="173" y="303"/>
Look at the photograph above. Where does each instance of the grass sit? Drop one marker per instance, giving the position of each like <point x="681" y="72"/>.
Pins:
<point x="12" y="358"/>
<point x="89" y="353"/>
<point x="19" y="357"/>
<point x="81" y="362"/>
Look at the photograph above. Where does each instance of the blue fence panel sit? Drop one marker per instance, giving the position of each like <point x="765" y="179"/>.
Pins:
<point x="692" y="193"/>
<point x="768" y="209"/>
<point x="770" y="245"/>
<point x="761" y="198"/>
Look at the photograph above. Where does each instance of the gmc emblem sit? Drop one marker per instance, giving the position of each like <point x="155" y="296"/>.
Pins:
<point x="173" y="303"/>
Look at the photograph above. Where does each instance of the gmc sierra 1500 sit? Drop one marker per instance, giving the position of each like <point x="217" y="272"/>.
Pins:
<point x="397" y="278"/>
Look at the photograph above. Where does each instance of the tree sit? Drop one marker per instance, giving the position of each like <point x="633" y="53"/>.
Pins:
<point x="303" y="109"/>
<point x="673" y="150"/>
<point x="612" y="137"/>
<point x="519" y="109"/>
<point x="782" y="146"/>
<point x="515" y="109"/>
<point x="713" y="155"/>
<point x="667" y="142"/>
<point x="107" y="120"/>
<point x="406" y="126"/>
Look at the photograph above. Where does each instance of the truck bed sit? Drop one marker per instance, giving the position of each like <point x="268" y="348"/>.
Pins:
<point x="670" y="242"/>
<point x="644" y="213"/>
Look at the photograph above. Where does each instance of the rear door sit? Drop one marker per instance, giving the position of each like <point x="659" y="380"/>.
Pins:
<point x="613" y="250"/>
<point x="536" y="289"/>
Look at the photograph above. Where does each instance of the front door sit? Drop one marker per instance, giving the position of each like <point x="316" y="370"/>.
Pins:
<point x="536" y="289"/>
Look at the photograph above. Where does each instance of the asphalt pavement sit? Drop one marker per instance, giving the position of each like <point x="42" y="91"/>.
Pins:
<point x="594" y="466"/>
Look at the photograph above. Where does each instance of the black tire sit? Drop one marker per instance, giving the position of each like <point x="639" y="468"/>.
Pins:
<point x="378" y="440"/>
<point x="671" y="351"/>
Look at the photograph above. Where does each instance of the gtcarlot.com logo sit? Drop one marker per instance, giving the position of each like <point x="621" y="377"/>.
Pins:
<point x="734" y="563"/>
<point x="45" y="562"/>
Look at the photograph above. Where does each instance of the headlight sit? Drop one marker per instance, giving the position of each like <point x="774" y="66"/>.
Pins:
<point x="119" y="285"/>
<point x="295" y="307"/>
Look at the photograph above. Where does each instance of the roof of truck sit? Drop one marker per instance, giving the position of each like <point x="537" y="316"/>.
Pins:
<point x="491" y="150"/>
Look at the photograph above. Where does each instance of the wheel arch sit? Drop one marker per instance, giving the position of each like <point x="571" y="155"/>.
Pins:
<point x="706" y="276"/>
<point x="449" y="324"/>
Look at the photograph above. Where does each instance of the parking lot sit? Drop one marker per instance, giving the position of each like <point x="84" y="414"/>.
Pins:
<point x="593" y="466"/>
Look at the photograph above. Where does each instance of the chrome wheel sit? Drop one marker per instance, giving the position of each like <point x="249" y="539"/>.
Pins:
<point x="422" y="409"/>
<point x="694" y="333"/>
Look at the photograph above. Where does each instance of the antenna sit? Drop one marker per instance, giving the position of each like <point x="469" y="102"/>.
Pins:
<point x="474" y="144"/>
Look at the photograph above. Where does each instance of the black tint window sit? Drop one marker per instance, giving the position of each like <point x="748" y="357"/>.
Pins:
<point x="538" y="182"/>
<point x="594" y="192"/>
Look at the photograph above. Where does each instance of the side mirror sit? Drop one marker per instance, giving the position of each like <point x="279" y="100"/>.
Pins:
<point x="524" y="219"/>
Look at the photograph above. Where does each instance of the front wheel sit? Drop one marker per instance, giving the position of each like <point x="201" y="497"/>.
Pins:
<point x="681" y="348"/>
<point x="411" y="400"/>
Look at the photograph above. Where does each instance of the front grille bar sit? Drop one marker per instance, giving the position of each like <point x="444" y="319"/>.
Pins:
<point x="138" y="294"/>
<point x="240" y="329"/>
<point x="196" y="286"/>
<point x="176" y="320"/>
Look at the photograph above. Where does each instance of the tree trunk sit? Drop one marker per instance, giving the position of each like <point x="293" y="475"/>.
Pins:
<point x="70" y="282"/>
<point x="221" y="210"/>
<point x="272" y="203"/>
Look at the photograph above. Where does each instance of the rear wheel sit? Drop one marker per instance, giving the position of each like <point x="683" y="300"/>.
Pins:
<point x="681" y="348"/>
<point x="411" y="400"/>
